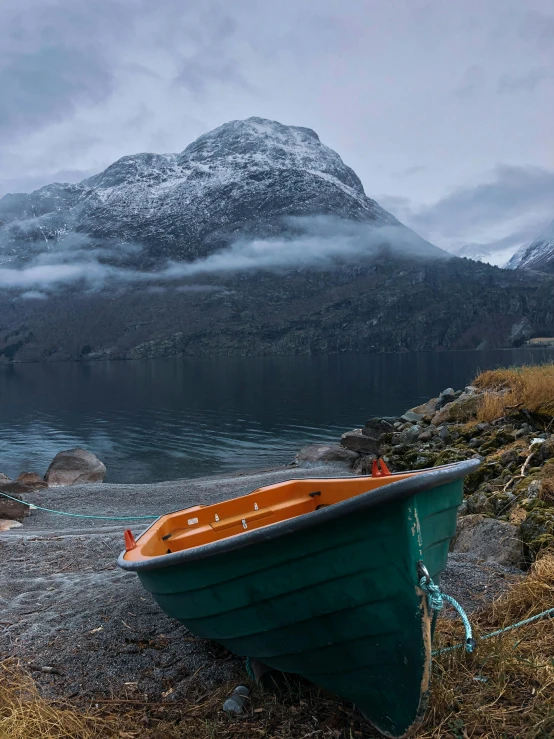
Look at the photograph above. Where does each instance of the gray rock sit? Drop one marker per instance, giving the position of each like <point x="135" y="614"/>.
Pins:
<point x="473" y="443"/>
<point x="489" y="539"/>
<point x="444" y="433"/>
<point x="11" y="509"/>
<point x="4" y="478"/>
<point x="412" y="417"/>
<point x="447" y="396"/>
<point x="534" y="489"/>
<point x="426" y="435"/>
<point x="479" y="503"/>
<point x="483" y="426"/>
<point x="235" y="703"/>
<point x="378" y="426"/>
<point x="317" y="453"/>
<point x="410" y="435"/>
<point x="426" y="410"/>
<point x="471" y="390"/>
<point x="357" y="441"/>
<point x="75" y="467"/>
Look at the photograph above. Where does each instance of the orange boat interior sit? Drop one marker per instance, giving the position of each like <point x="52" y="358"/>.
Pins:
<point x="271" y="504"/>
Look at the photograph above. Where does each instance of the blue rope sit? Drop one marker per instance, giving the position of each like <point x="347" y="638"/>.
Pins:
<point x="436" y="598"/>
<point x="498" y="632"/>
<point x="78" y="515"/>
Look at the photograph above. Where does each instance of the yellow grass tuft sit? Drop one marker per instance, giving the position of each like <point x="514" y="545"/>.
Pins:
<point x="24" y="714"/>
<point x="530" y="387"/>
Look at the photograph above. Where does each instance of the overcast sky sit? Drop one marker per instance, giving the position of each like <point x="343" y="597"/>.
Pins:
<point x="444" y="108"/>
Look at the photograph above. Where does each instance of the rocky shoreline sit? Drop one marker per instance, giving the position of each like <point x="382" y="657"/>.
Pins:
<point x="508" y="512"/>
<point x="67" y="606"/>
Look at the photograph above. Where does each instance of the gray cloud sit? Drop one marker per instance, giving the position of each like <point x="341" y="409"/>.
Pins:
<point x="411" y="171"/>
<point x="471" y="81"/>
<point x="537" y="27"/>
<point x="526" y="82"/>
<point x="85" y="83"/>
<point x="506" y="210"/>
<point x="510" y="191"/>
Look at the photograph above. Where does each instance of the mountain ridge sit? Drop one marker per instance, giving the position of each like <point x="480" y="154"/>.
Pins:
<point x="255" y="239"/>
<point x="538" y="255"/>
<point x="244" y="179"/>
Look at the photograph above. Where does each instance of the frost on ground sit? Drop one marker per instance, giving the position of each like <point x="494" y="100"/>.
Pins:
<point x="66" y="604"/>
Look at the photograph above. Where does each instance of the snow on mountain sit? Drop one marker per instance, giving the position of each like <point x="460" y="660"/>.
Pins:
<point x="246" y="179"/>
<point x="477" y="252"/>
<point x="538" y="255"/>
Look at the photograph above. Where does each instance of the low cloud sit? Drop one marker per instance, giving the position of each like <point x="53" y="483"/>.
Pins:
<point x="33" y="295"/>
<point x="320" y="242"/>
<point x="509" y="208"/>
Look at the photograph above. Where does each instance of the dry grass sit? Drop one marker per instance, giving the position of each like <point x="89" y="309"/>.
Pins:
<point x="492" y="406"/>
<point x="530" y="387"/>
<point x="502" y="691"/>
<point x="25" y="715"/>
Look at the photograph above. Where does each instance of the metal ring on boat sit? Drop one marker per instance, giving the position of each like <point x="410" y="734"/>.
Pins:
<point x="422" y="571"/>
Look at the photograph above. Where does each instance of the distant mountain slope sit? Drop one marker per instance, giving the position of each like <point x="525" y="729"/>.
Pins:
<point x="538" y="255"/>
<point x="256" y="239"/>
<point x="386" y="305"/>
<point x="245" y="179"/>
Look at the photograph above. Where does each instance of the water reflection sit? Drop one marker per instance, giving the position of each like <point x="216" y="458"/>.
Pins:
<point x="163" y="419"/>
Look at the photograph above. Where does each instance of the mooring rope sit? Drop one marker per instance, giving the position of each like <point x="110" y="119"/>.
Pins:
<point x="78" y="515"/>
<point x="436" y="599"/>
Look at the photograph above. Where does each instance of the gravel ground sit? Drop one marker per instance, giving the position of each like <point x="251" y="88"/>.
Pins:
<point x="66" y="604"/>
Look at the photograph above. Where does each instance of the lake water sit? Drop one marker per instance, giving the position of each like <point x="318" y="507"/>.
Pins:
<point x="158" y="420"/>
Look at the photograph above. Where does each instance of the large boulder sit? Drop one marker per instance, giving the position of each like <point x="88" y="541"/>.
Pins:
<point x="12" y="509"/>
<point x="426" y="410"/>
<point x="75" y="467"/>
<point x="461" y="409"/>
<point x="489" y="539"/>
<point x="357" y="441"/>
<point x="325" y="454"/>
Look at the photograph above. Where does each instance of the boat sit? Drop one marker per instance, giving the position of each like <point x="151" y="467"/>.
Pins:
<point x="319" y="577"/>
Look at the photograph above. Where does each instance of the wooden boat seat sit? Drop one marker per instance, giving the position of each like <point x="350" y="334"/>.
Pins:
<point x="201" y="525"/>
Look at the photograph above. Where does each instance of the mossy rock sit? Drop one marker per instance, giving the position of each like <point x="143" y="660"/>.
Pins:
<point x="449" y="455"/>
<point x="537" y="531"/>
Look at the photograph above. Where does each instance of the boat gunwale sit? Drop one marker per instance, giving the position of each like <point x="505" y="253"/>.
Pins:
<point x="395" y="491"/>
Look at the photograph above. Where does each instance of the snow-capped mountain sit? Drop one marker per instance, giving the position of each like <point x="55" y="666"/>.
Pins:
<point x="244" y="179"/>
<point x="474" y="251"/>
<point x="538" y="255"/>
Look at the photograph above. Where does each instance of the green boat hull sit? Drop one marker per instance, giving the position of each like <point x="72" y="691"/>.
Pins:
<point x="335" y="598"/>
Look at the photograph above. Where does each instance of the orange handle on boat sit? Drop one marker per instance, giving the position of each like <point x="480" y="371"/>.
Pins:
<point x="379" y="468"/>
<point x="130" y="542"/>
